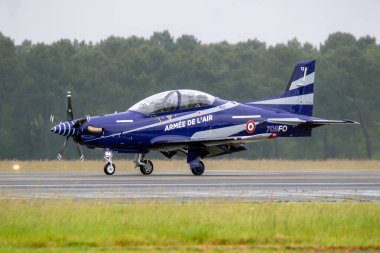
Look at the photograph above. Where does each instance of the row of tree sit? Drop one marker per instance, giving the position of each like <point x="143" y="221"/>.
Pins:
<point x="115" y="73"/>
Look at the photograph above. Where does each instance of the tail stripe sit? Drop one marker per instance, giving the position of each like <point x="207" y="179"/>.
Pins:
<point x="309" y="79"/>
<point x="301" y="69"/>
<point x="299" y="93"/>
<point x="307" y="89"/>
<point x="306" y="99"/>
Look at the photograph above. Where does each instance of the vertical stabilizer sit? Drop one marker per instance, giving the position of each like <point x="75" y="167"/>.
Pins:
<point x="298" y="96"/>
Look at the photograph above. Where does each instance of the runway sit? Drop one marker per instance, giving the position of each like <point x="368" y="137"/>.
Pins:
<point x="183" y="186"/>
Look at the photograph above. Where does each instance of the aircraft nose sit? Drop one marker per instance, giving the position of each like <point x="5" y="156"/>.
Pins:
<point x="65" y="129"/>
<point x="54" y="129"/>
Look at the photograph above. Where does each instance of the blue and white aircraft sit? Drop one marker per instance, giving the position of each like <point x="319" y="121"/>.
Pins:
<point x="197" y="125"/>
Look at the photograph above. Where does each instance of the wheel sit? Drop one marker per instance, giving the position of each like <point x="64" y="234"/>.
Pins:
<point x="109" y="168"/>
<point x="199" y="169"/>
<point x="147" y="169"/>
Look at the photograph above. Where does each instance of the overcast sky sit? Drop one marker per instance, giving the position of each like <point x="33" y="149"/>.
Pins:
<point x="208" y="20"/>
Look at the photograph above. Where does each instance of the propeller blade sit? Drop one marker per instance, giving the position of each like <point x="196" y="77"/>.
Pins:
<point x="80" y="152"/>
<point x="59" y="156"/>
<point x="70" y="115"/>
<point x="54" y="120"/>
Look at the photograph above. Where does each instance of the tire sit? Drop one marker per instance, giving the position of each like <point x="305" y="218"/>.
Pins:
<point x="198" y="170"/>
<point x="147" y="169"/>
<point x="109" y="168"/>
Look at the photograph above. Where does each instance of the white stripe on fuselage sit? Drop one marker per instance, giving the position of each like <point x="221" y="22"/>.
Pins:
<point x="124" y="121"/>
<point x="219" y="108"/>
<point x="219" y="132"/>
<point x="295" y="100"/>
<point x="246" y="116"/>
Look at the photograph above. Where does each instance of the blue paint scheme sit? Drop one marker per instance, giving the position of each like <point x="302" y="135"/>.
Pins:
<point x="196" y="134"/>
<point x="308" y="89"/>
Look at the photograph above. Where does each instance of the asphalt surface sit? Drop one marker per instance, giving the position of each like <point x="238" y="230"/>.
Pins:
<point x="183" y="186"/>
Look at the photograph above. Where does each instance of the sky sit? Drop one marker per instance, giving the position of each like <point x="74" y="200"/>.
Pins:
<point x="210" y="21"/>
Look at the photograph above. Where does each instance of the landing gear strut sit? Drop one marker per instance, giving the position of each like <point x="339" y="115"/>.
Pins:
<point x="110" y="167"/>
<point x="145" y="165"/>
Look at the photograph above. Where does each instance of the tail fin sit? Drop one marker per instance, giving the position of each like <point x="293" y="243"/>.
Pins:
<point x="298" y="96"/>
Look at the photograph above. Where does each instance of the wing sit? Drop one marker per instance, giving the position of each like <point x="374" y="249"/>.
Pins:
<point x="170" y="145"/>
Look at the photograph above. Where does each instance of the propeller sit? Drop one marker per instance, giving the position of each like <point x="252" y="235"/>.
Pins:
<point x="53" y="119"/>
<point x="69" y="129"/>
<point x="69" y="110"/>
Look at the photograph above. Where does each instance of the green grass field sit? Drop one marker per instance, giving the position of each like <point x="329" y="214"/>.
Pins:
<point x="108" y="226"/>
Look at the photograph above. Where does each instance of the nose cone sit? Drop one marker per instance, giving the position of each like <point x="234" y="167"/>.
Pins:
<point x="55" y="129"/>
<point x="64" y="129"/>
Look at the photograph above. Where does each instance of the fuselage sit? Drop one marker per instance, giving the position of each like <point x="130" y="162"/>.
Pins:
<point x="134" y="132"/>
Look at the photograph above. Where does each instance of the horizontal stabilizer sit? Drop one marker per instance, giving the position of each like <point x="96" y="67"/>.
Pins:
<point x="331" y="122"/>
<point x="298" y="121"/>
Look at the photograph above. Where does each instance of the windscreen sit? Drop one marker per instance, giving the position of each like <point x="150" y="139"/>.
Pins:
<point x="168" y="101"/>
<point x="162" y="102"/>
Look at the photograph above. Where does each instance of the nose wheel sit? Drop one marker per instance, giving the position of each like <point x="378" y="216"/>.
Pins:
<point x="109" y="168"/>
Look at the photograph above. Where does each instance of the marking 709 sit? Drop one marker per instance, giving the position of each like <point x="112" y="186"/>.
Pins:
<point x="277" y="129"/>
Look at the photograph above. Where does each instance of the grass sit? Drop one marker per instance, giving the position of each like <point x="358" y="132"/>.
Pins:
<point x="233" y="164"/>
<point x="107" y="226"/>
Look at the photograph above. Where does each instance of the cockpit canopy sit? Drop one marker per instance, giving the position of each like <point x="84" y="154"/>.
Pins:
<point x="173" y="100"/>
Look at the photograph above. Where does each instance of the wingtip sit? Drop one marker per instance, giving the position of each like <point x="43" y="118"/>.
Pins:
<point x="352" y="121"/>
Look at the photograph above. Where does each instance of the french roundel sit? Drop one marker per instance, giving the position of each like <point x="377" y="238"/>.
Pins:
<point x="250" y="126"/>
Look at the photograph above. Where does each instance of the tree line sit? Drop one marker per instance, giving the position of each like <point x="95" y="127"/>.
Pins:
<point x="115" y="73"/>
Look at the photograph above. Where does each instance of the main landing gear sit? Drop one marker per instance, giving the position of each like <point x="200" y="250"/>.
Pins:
<point x="197" y="167"/>
<point x="145" y="165"/>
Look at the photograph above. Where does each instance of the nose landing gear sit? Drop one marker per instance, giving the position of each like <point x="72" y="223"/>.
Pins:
<point x="110" y="167"/>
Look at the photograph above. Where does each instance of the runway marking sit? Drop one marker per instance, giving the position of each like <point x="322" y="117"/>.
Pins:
<point x="259" y="185"/>
<point x="193" y="184"/>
